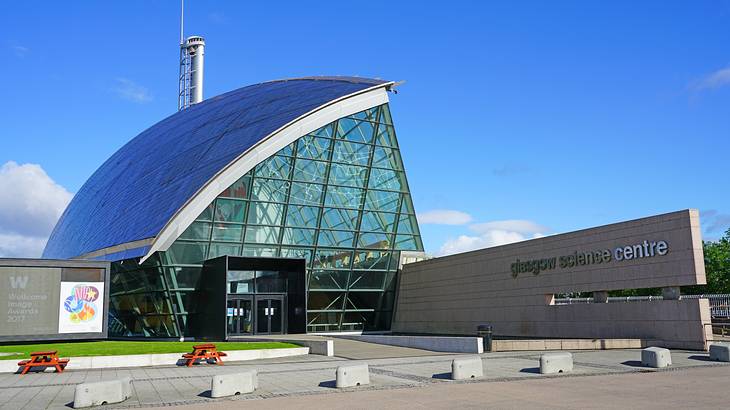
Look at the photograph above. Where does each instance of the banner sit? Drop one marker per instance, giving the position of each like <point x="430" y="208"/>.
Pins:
<point x="81" y="307"/>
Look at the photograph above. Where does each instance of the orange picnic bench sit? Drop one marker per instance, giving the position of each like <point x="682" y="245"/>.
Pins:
<point x="205" y="352"/>
<point x="43" y="359"/>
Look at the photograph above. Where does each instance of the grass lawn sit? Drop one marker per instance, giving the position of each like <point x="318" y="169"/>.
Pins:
<point x="111" y="348"/>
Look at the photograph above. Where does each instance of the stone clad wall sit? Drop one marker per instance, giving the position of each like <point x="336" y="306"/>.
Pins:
<point x="454" y="294"/>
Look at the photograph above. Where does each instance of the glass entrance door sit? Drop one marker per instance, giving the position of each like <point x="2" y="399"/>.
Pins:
<point x="269" y="314"/>
<point x="239" y="316"/>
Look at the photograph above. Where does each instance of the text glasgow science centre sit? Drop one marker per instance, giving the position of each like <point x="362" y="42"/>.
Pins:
<point x="645" y="249"/>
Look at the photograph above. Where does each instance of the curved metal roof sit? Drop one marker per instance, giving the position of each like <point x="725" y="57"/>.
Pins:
<point x="139" y="188"/>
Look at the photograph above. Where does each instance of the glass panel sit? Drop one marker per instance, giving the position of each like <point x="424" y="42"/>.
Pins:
<point x="385" y="115"/>
<point x="375" y="240"/>
<point x="274" y="167"/>
<point x="197" y="230"/>
<point x="302" y="216"/>
<point x="342" y="239"/>
<point x="354" y="130"/>
<point x="226" y="232"/>
<point x="271" y="190"/>
<point x="407" y="224"/>
<point x="386" y="136"/>
<point x="182" y="253"/>
<point x="349" y="175"/>
<point x="323" y="321"/>
<point x="407" y="206"/>
<point x="313" y="147"/>
<point x="239" y="189"/>
<point x="265" y="213"/>
<point x="364" y="300"/>
<point x="270" y="282"/>
<point x="262" y="234"/>
<point x="298" y="253"/>
<point x="382" y="201"/>
<point x="310" y="171"/>
<point x="240" y="281"/>
<point x="229" y="210"/>
<point x="276" y="315"/>
<point x="325" y="301"/>
<point x="369" y="114"/>
<point x="221" y="249"/>
<point x="351" y="153"/>
<point x="306" y="194"/>
<point x="377" y="222"/>
<point x="260" y="251"/>
<point x="287" y="151"/>
<point x="371" y="259"/>
<point x="328" y="279"/>
<point x="182" y="278"/>
<point x="332" y="258"/>
<point x="262" y="316"/>
<point x="325" y="131"/>
<point x="387" y="179"/>
<point x="298" y="236"/>
<point x="343" y="197"/>
<point x="367" y="280"/>
<point x="339" y="219"/>
<point x="387" y="158"/>
<point x="408" y="243"/>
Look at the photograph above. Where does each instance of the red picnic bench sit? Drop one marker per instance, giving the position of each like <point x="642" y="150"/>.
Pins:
<point x="43" y="359"/>
<point x="205" y="352"/>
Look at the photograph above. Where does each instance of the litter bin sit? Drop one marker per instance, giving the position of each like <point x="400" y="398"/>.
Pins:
<point x="485" y="332"/>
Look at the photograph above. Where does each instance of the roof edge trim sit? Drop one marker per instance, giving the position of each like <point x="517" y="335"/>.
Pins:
<point x="266" y="147"/>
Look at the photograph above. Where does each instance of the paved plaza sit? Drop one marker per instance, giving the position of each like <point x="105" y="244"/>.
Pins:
<point x="510" y="378"/>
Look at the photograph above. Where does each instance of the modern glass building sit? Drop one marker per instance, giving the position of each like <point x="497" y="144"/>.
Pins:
<point x="278" y="207"/>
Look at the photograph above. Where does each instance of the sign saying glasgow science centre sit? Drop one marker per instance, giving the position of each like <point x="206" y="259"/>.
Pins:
<point x="646" y="249"/>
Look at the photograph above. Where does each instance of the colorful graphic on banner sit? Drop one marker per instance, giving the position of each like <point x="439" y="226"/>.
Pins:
<point x="82" y="305"/>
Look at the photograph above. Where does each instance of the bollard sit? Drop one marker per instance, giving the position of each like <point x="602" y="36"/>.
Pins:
<point x="551" y="363"/>
<point x="720" y="352"/>
<point x="350" y="376"/>
<point x="485" y="332"/>
<point x="467" y="368"/>
<point x="656" y="357"/>
<point x="231" y="384"/>
<point x="99" y="393"/>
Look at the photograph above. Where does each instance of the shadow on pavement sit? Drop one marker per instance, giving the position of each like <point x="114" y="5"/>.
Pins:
<point x="331" y="384"/>
<point x="633" y="363"/>
<point x="442" y="376"/>
<point x="206" y="394"/>
<point x="533" y="370"/>
<point x="702" y="358"/>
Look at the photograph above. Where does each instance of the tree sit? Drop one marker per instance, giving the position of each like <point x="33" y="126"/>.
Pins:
<point x="717" y="265"/>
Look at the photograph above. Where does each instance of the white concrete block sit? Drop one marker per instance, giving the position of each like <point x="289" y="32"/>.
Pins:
<point x="656" y="357"/>
<point x="99" y="393"/>
<point x="467" y="368"/>
<point x="354" y="375"/>
<point x="720" y="352"/>
<point x="231" y="384"/>
<point x="561" y="362"/>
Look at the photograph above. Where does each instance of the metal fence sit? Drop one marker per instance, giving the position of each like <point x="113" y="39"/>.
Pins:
<point x="719" y="303"/>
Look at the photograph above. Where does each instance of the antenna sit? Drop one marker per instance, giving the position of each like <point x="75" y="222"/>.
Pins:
<point x="192" y="52"/>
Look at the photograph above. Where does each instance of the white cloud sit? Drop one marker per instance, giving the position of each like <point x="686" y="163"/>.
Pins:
<point x="717" y="79"/>
<point x="20" y="51"/>
<point x="30" y="205"/>
<point x="444" y="217"/>
<point x="493" y="233"/>
<point x="131" y="91"/>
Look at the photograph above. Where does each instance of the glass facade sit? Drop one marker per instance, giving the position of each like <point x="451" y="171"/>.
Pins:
<point x="337" y="197"/>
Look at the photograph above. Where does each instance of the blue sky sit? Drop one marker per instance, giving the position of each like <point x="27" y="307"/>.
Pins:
<point x="517" y="119"/>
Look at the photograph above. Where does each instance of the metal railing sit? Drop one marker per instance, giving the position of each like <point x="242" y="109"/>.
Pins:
<point x="719" y="303"/>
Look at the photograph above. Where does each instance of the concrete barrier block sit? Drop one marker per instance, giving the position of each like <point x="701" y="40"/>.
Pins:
<point x="656" y="357"/>
<point x="231" y="384"/>
<point x="720" y="352"/>
<point x="467" y="368"/>
<point x="354" y="375"/>
<point x="99" y="393"/>
<point x="551" y="363"/>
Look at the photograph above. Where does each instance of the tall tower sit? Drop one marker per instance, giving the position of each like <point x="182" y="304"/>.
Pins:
<point x="192" y="55"/>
